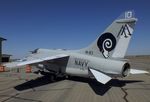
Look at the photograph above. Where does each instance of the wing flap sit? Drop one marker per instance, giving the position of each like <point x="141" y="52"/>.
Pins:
<point x="100" y="77"/>
<point x="135" y="71"/>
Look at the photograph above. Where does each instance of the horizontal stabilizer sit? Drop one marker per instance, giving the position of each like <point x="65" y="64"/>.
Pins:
<point x="100" y="77"/>
<point x="135" y="71"/>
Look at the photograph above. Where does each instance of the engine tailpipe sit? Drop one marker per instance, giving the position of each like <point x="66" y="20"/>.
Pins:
<point x="126" y="69"/>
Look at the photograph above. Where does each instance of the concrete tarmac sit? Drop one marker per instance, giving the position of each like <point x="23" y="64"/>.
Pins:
<point x="29" y="87"/>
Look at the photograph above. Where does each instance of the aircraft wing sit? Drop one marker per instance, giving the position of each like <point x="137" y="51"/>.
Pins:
<point x="100" y="77"/>
<point x="36" y="60"/>
<point x="135" y="71"/>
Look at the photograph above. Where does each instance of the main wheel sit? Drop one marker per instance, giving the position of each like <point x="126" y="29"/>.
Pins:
<point x="52" y="78"/>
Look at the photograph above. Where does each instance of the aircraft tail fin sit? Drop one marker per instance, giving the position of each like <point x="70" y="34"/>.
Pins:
<point x="113" y="42"/>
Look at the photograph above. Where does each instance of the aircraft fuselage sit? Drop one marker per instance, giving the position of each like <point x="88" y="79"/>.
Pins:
<point x="78" y="64"/>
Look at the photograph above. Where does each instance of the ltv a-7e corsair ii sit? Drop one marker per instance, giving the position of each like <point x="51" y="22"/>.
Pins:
<point x="103" y="59"/>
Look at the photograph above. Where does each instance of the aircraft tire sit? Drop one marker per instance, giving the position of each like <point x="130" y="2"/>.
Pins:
<point x="52" y="78"/>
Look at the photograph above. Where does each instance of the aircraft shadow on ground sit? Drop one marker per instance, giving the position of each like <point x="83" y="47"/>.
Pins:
<point x="44" y="80"/>
<point x="97" y="87"/>
<point x="101" y="89"/>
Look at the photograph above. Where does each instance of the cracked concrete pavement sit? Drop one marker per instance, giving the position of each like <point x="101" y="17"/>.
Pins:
<point x="22" y="87"/>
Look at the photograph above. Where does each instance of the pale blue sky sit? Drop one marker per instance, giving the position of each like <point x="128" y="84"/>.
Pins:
<point x="67" y="24"/>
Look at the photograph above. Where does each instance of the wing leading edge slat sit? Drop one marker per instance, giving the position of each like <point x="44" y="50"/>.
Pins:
<point x="41" y="59"/>
<point x="33" y="61"/>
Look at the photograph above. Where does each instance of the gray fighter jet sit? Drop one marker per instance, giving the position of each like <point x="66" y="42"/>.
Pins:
<point x="102" y="60"/>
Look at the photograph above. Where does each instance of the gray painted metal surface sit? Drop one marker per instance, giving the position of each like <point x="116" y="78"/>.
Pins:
<point x="98" y="59"/>
<point x="23" y="87"/>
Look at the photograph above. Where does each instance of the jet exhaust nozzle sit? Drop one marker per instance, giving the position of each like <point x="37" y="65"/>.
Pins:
<point x="126" y="69"/>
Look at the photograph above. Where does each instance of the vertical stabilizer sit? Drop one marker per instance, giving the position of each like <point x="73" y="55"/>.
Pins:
<point x="114" y="41"/>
